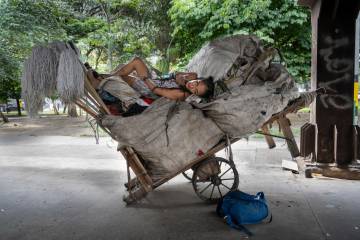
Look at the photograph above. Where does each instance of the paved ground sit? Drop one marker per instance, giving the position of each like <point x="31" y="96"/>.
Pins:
<point x="70" y="188"/>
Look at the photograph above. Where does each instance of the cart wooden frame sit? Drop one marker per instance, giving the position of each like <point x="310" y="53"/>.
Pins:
<point x="142" y="183"/>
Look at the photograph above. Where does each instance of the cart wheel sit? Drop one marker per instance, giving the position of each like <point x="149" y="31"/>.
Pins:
<point x="188" y="174"/>
<point x="213" y="178"/>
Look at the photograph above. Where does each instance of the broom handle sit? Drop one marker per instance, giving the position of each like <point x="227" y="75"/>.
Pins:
<point x="92" y="90"/>
<point x="92" y="99"/>
<point x="86" y="109"/>
<point x="94" y="115"/>
<point x="95" y="95"/>
<point x="89" y="105"/>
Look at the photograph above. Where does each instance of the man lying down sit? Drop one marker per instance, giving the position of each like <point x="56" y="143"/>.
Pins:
<point x="130" y="88"/>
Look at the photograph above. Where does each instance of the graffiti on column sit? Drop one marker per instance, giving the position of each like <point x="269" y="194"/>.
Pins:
<point x="339" y="68"/>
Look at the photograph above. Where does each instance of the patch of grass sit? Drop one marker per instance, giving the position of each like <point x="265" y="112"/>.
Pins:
<point x="15" y="114"/>
<point x="102" y="133"/>
<point x="275" y="131"/>
<point x="92" y="135"/>
<point x="305" y="110"/>
<point x="25" y="114"/>
<point x="85" y="125"/>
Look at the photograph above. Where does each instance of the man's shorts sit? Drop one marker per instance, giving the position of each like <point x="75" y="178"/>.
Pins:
<point x="120" y="89"/>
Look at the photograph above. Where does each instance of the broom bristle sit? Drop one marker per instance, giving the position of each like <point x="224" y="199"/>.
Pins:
<point x="32" y="97"/>
<point x="49" y="69"/>
<point x="39" y="77"/>
<point x="70" y="78"/>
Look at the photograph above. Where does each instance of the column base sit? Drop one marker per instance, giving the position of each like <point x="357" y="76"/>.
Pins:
<point x="350" y="172"/>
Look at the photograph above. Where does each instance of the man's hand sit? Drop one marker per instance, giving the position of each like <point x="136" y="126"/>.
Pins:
<point x="186" y="76"/>
<point x="182" y="77"/>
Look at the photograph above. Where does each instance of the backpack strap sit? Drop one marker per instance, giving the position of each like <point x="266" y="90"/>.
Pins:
<point x="171" y="112"/>
<point x="268" y="219"/>
<point x="239" y="227"/>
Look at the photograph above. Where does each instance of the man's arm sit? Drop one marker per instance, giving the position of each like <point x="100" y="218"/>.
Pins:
<point x="182" y="77"/>
<point x="170" y="93"/>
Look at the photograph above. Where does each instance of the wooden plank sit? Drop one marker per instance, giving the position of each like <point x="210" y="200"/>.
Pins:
<point x="136" y="195"/>
<point x="307" y="140"/>
<point x="132" y="183"/>
<point x="91" y="99"/>
<point x="86" y="109"/>
<point x="139" y="164"/>
<point x="138" y="168"/>
<point x="220" y="146"/>
<point x="285" y="128"/>
<point x="94" y="94"/>
<point x="356" y="136"/>
<point x="290" y="165"/>
<point x="269" y="139"/>
<point x="335" y="140"/>
<point x="88" y="105"/>
<point x="294" y="107"/>
<point x="303" y="139"/>
<point x="350" y="173"/>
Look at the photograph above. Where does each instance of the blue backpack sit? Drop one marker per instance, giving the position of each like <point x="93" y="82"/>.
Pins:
<point x="239" y="208"/>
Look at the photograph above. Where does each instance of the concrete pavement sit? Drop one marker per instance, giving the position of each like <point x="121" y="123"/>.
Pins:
<point x="71" y="188"/>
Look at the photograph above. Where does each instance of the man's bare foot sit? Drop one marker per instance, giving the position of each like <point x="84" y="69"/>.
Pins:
<point x="87" y="65"/>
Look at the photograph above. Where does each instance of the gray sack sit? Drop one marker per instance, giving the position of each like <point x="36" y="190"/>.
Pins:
<point x="169" y="135"/>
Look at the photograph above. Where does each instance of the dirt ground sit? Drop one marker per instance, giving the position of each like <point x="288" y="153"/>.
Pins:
<point x="49" y="125"/>
<point x="62" y="125"/>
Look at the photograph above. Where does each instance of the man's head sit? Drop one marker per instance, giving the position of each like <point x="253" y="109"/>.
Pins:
<point x="93" y="78"/>
<point x="201" y="87"/>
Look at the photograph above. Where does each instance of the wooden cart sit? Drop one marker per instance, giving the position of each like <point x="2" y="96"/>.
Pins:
<point x="212" y="177"/>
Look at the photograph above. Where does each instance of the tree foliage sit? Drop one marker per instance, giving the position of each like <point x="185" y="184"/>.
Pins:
<point x="112" y="31"/>
<point x="280" y="23"/>
<point x="23" y="24"/>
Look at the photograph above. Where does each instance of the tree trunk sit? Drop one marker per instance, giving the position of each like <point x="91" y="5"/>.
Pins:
<point x="5" y="119"/>
<point x="105" y="8"/>
<point x="72" y="110"/>
<point x="56" y="110"/>
<point x="18" y="106"/>
<point x="98" y="58"/>
<point x="65" y="106"/>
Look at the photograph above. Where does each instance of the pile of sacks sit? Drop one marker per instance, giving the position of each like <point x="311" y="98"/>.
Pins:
<point x="169" y="135"/>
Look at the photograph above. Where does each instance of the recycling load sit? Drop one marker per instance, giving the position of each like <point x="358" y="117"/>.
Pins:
<point x="250" y="89"/>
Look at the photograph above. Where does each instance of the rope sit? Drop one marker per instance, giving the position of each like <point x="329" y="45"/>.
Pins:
<point x="229" y="149"/>
<point x="95" y="127"/>
<point x="169" y="116"/>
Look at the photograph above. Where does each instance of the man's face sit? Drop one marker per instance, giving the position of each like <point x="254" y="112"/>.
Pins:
<point x="186" y="76"/>
<point x="196" y="87"/>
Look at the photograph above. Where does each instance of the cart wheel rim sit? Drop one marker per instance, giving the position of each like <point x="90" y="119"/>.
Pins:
<point x="212" y="187"/>
<point x="188" y="174"/>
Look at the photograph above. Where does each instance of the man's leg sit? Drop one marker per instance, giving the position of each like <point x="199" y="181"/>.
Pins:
<point x="137" y="65"/>
<point x="129" y="80"/>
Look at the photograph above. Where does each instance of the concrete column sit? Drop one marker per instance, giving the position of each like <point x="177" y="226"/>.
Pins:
<point x="356" y="83"/>
<point x="333" y="67"/>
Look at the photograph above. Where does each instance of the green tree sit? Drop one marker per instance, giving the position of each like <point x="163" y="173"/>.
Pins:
<point x="9" y="75"/>
<point x="112" y="31"/>
<point x="280" y="23"/>
<point x="37" y="24"/>
<point x="26" y="23"/>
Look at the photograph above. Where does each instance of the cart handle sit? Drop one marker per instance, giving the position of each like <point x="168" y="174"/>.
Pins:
<point x="271" y="135"/>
